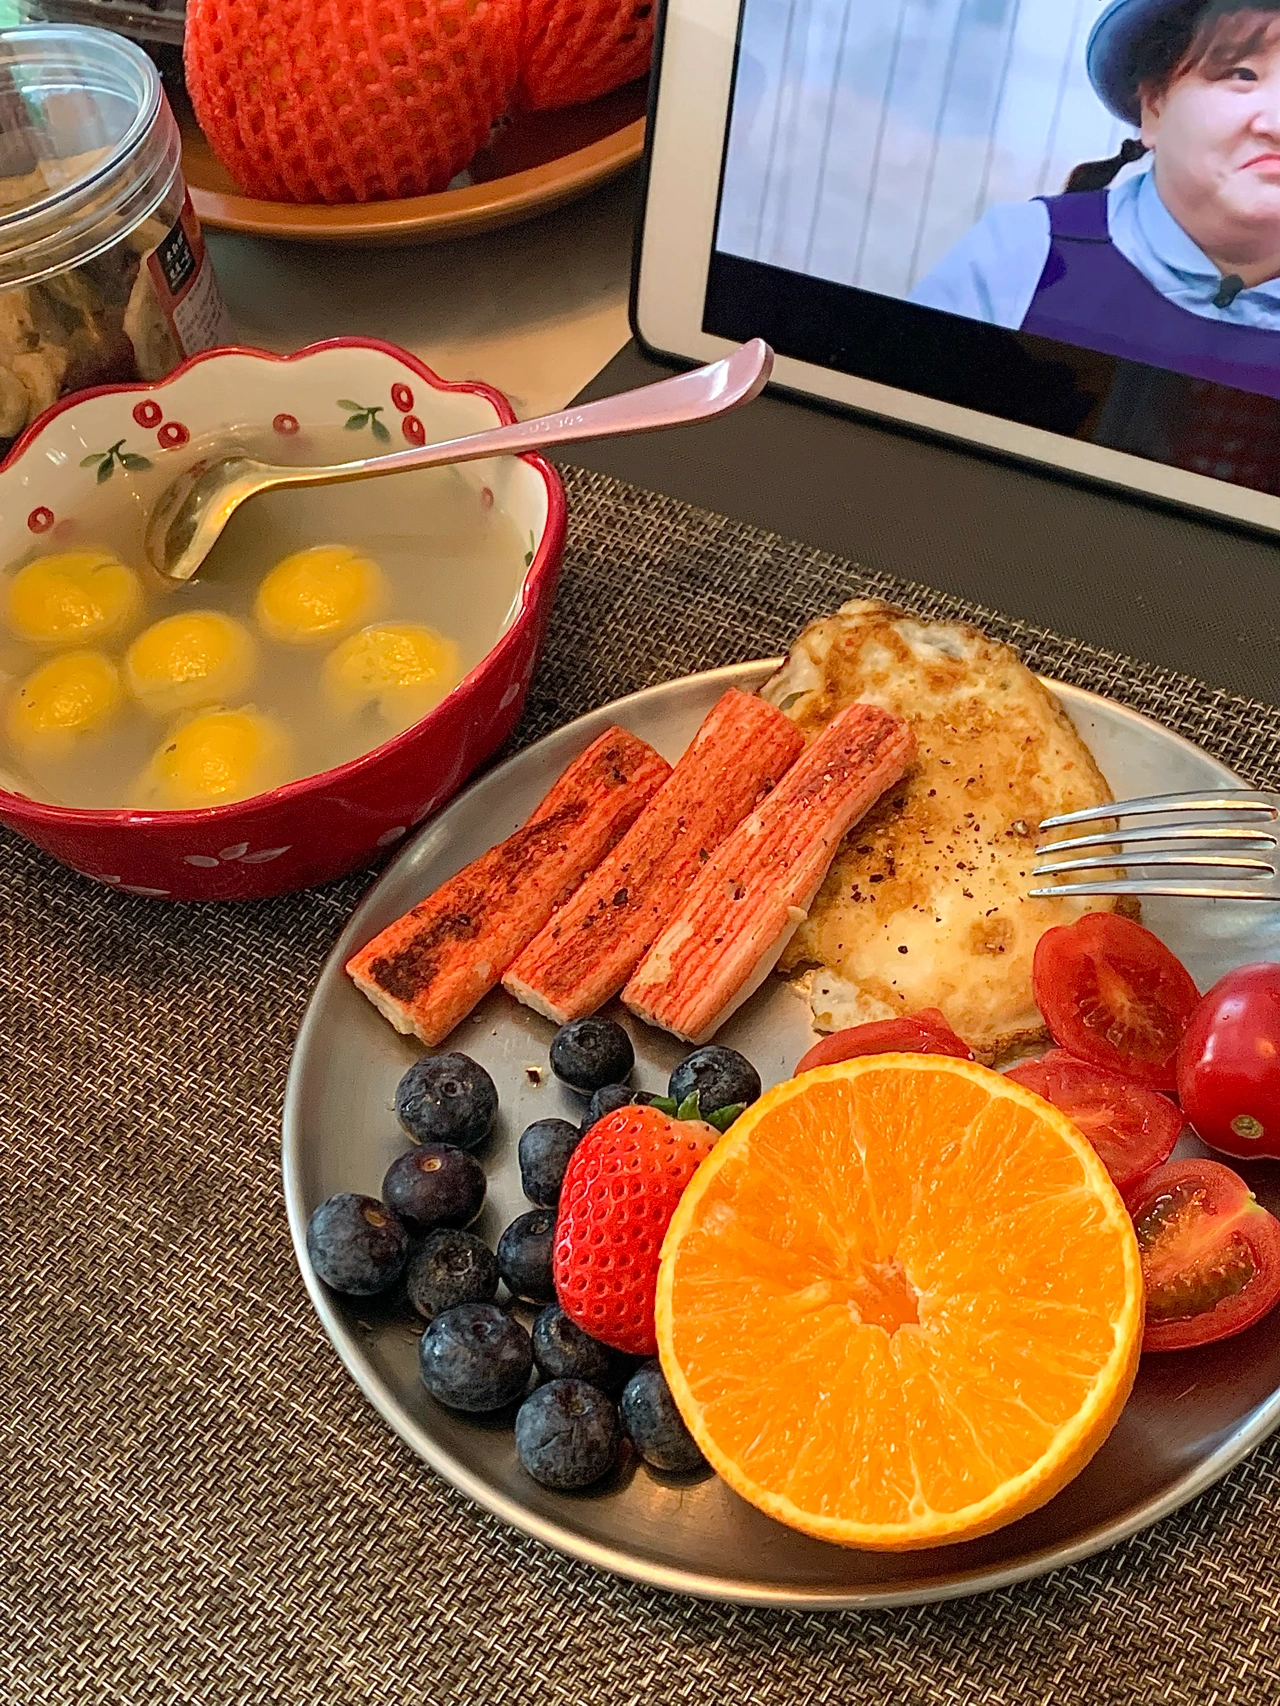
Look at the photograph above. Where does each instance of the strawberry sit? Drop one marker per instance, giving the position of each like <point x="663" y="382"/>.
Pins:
<point x="620" y="1190"/>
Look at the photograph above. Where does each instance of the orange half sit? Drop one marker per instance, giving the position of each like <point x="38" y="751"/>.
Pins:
<point x="900" y="1303"/>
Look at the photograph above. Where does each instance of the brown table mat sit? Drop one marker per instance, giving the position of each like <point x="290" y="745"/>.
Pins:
<point x="200" y="1506"/>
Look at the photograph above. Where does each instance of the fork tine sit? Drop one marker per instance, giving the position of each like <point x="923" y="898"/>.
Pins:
<point x="1221" y="800"/>
<point x="1163" y="832"/>
<point x="1155" y="857"/>
<point x="1154" y="887"/>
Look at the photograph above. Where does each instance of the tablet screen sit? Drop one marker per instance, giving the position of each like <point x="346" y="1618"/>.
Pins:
<point x="1064" y="212"/>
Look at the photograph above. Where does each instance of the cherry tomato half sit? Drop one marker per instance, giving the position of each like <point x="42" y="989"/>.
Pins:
<point x="1229" y="1063"/>
<point x="1133" y="1129"/>
<point x="925" y="1032"/>
<point x="1111" y="993"/>
<point x="1210" y="1254"/>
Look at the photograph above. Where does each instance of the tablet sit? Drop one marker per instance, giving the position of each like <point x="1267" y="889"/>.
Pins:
<point x="1048" y="227"/>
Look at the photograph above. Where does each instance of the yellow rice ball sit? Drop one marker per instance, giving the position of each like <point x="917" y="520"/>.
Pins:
<point x="72" y="696"/>
<point x="317" y="594"/>
<point x="398" y="669"/>
<point x="71" y="597"/>
<point x="216" y="757"/>
<point x="199" y="657"/>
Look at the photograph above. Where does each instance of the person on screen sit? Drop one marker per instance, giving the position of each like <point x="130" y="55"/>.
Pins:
<point x="1177" y="265"/>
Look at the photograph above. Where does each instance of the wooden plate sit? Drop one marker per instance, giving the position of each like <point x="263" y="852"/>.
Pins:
<point x="535" y="162"/>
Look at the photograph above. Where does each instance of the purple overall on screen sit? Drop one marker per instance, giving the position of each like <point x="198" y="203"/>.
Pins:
<point x="1090" y="295"/>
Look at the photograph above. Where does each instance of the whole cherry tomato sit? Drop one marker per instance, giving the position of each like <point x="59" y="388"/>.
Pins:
<point x="1133" y="1129"/>
<point x="1229" y="1063"/>
<point x="925" y="1032"/>
<point x="1111" y="993"/>
<point x="1210" y="1254"/>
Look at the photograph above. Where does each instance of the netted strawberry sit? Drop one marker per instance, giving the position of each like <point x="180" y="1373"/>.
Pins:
<point x="576" y="50"/>
<point x="349" y="100"/>
<point x="620" y="1190"/>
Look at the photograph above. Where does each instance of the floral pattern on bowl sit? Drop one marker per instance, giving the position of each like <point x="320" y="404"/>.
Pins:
<point x="323" y="826"/>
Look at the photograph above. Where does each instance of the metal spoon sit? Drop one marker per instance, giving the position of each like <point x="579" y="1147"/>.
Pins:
<point x="186" y="522"/>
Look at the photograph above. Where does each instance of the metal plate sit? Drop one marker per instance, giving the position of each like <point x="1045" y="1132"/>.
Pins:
<point x="1192" y="1414"/>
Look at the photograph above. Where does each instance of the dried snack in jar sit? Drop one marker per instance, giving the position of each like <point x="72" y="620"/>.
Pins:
<point x="103" y="273"/>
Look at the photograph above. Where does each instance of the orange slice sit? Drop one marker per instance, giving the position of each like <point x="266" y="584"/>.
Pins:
<point x="900" y="1302"/>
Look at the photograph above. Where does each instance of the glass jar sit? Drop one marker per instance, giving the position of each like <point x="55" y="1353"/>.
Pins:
<point x="103" y="272"/>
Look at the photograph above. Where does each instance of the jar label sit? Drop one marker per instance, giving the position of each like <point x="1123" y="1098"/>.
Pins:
<point x="185" y="286"/>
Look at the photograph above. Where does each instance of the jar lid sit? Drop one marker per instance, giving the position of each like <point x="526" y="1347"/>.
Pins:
<point x="144" y="20"/>
<point x="88" y="146"/>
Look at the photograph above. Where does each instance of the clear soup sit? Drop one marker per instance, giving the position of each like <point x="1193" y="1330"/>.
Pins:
<point x="101" y="709"/>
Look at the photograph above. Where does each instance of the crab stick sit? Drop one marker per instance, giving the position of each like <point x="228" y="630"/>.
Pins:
<point x="426" y="971"/>
<point x="597" y="939"/>
<point x="742" y="909"/>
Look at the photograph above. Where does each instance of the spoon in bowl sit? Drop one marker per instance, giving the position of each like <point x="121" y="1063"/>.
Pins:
<point x="192" y="512"/>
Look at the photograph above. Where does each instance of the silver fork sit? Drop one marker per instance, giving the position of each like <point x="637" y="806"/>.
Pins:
<point x="1228" y="835"/>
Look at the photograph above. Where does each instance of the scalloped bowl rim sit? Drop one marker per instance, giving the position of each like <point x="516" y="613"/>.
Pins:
<point x="545" y="554"/>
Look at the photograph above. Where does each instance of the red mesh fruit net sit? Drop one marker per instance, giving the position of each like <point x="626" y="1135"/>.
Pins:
<point x="349" y="100"/>
<point x="575" y="50"/>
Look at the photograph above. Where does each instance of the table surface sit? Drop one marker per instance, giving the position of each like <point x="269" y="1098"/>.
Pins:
<point x="535" y="309"/>
<point x="150" y="1441"/>
<point x="202" y="1508"/>
<point x="1181" y="591"/>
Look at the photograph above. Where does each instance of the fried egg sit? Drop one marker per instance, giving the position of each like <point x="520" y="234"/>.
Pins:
<point x="926" y="902"/>
<point x="217" y="756"/>
<point x="318" y="594"/>
<point x="71" y="597"/>
<point x="198" y="657"/>
<point x="399" y="670"/>
<point x="72" y="696"/>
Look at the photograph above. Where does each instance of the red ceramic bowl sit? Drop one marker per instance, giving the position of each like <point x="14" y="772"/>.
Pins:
<point x="322" y="826"/>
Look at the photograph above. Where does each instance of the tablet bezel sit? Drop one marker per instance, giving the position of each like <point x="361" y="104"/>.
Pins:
<point x="694" y="55"/>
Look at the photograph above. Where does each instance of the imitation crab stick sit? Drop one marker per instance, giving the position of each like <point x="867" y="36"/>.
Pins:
<point x="597" y="939"/>
<point x="426" y="971"/>
<point x="741" y="910"/>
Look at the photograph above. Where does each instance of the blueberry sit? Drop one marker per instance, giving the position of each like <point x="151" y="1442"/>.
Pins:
<point x="435" y="1185"/>
<point x="448" y="1268"/>
<point x="607" y="1100"/>
<point x="567" y="1434"/>
<point x="357" y="1244"/>
<point x="589" y="1053"/>
<point x="447" y="1098"/>
<point x="475" y="1357"/>
<point x="545" y="1148"/>
<point x="656" y="1427"/>
<point x="721" y="1077"/>
<point x="524" y="1255"/>
<point x="563" y="1351"/>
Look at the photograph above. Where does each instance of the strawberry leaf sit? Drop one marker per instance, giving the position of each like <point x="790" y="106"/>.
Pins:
<point x="690" y="1108"/>
<point x="724" y="1117"/>
<point x="665" y="1105"/>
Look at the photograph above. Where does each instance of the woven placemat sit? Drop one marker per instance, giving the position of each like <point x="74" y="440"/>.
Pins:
<point x="200" y="1507"/>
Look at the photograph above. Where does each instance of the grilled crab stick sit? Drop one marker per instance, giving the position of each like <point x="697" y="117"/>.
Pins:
<point x="740" y="912"/>
<point x="598" y="938"/>
<point x="426" y="971"/>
